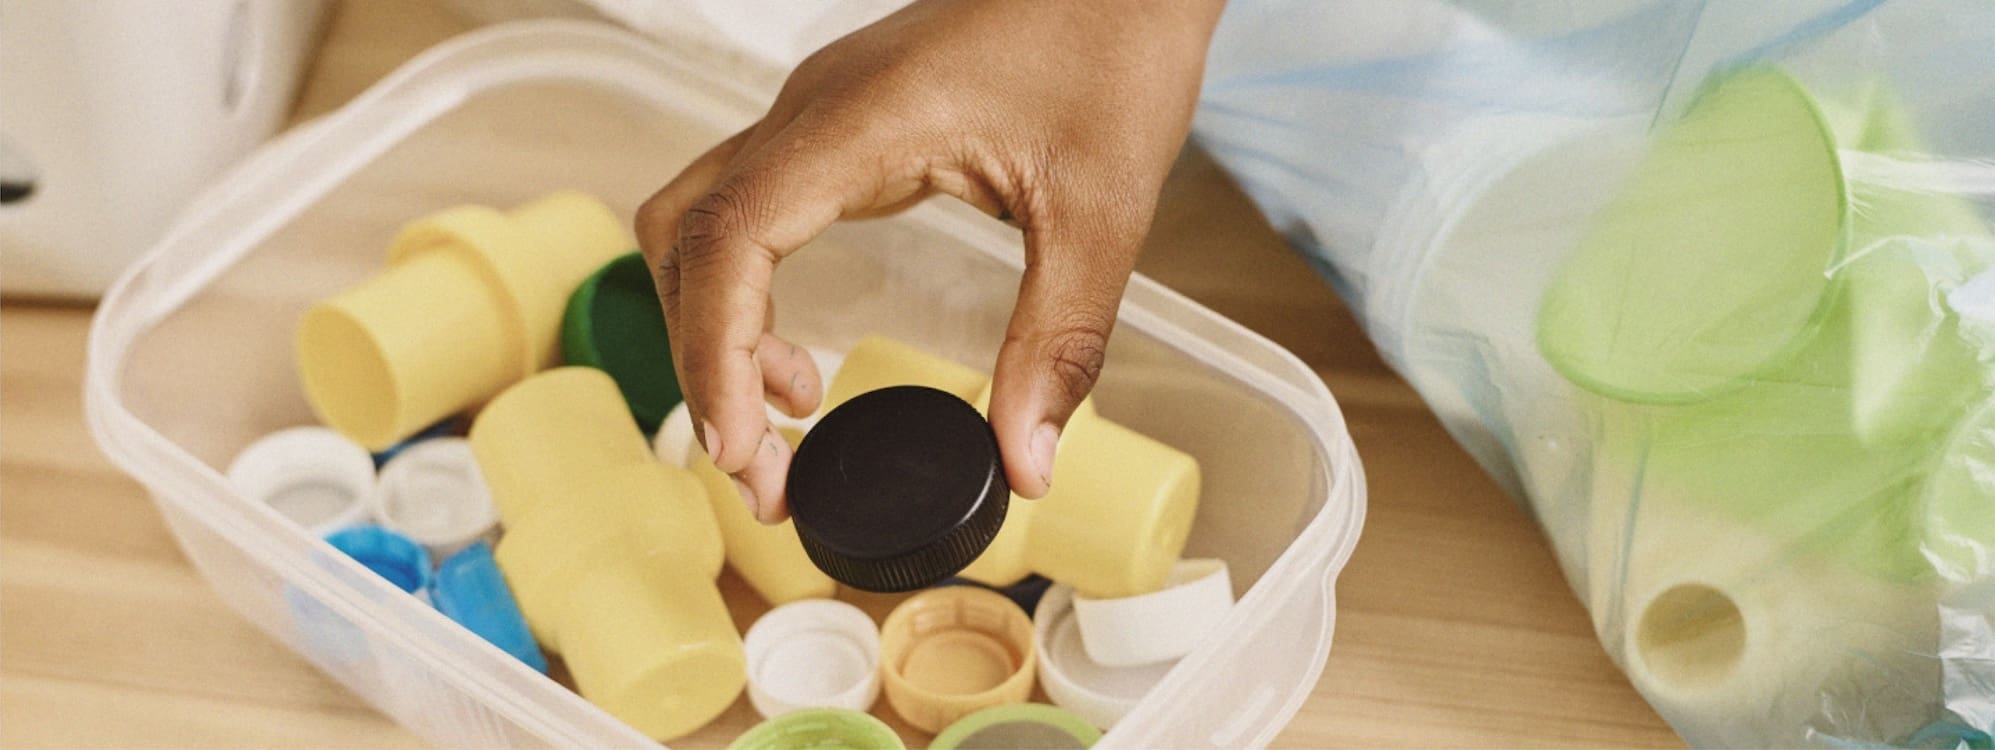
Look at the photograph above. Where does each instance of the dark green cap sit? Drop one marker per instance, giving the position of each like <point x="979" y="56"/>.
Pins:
<point x="615" y="324"/>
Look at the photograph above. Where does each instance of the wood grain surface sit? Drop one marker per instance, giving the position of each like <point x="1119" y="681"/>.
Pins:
<point x="1455" y="627"/>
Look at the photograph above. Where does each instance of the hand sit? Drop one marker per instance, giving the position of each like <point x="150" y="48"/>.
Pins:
<point x="1060" y="117"/>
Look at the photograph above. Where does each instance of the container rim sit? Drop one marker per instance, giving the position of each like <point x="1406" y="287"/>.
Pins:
<point x="239" y="211"/>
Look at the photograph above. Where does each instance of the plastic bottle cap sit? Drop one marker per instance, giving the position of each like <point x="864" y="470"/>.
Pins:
<point x="433" y="493"/>
<point x="448" y="426"/>
<point x="1026" y="725"/>
<point x="390" y="555"/>
<point x="311" y="475"/>
<point x="820" y="729"/>
<point x="898" y="489"/>
<point x="949" y="652"/>
<point x="674" y="442"/>
<point x="469" y="589"/>
<point x="1026" y="593"/>
<point x="1158" y="626"/>
<point x="828" y="363"/>
<point x="815" y="653"/>
<point x="1075" y="681"/>
<point x="614" y="323"/>
<point x="1750" y="171"/>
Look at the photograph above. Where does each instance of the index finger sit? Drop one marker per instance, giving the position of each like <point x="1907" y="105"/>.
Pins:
<point x="729" y="241"/>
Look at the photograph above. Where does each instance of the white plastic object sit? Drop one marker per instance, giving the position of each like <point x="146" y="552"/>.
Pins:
<point x="433" y="493"/>
<point x="226" y="283"/>
<point x="674" y="443"/>
<point x="1158" y="626"/>
<point x="1075" y="681"/>
<point x="815" y="653"/>
<point x="828" y="361"/>
<point x="311" y="475"/>
<point x="119" y="111"/>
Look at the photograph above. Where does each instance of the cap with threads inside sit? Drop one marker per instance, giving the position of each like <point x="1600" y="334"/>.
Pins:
<point x="898" y="488"/>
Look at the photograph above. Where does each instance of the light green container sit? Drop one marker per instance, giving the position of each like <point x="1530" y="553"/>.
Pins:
<point x="1769" y="334"/>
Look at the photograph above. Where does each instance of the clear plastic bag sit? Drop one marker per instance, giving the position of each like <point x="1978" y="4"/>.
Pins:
<point x="1708" y="286"/>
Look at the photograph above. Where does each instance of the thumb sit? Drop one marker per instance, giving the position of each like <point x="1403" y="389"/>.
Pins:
<point x="1054" y="348"/>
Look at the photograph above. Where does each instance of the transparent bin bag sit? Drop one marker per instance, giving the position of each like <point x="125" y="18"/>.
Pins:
<point x="1707" y="286"/>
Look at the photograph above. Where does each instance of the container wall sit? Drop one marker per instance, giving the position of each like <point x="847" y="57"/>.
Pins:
<point x="215" y="371"/>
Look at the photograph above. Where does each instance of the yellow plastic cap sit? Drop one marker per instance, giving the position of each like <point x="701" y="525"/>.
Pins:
<point x="946" y="653"/>
<point x="770" y="559"/>
<point x="1120" y="510"/>
<point x="470" y="302"/>
<point x="655" y="649"/>
<point x="611" y="555"/>
<point x="878" y="362"/>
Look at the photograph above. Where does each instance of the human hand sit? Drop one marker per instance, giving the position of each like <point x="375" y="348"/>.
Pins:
<point x="1062" y="118"/>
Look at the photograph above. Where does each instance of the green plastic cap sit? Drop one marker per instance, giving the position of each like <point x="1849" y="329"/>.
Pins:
<point x="614" y="323"/>
<point x="1712" y="266"/>
<point x="820" y="729"/>
<point x="1021" y="726"/>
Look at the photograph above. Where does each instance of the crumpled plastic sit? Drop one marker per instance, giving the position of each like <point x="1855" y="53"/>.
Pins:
<point x="1708" y="288"/>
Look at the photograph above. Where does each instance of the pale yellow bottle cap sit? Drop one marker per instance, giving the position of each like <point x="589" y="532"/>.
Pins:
<point x="948" y="652"/>
<point x="470" y="302"/>
<point x="611" y="554"/>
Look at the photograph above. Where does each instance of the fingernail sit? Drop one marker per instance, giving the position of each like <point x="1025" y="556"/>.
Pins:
<point x="710" y="440"/>
<point x="1045" y="444"/>
<point x="747" y="498"/>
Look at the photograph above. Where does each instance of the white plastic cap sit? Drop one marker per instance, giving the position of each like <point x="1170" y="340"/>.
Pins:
<point x="674" y="442"/>
<point x="1159" y="626"/>
<point x="311" y="475"/>
<point x="815" y="653"/>
<point x="433" y="493"/>
<point x="1101" y="695"/>
<point x="828" y="362"/>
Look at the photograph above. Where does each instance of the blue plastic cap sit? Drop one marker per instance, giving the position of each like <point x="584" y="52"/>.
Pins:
<point x="390" y="555"/>
<point x="469" y="589"/>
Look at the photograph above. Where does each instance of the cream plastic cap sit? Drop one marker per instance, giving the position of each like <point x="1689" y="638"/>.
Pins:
<point x="1073" y="680"/>
<point x="432" y="492"/>
<point x="828" y="364"/>
<point x="815" y="653"/>
<point x="1158" y="626"/>
<point x="311" y="475"/>
<point x="949" y="652"/>
<point x="674" y="442"/>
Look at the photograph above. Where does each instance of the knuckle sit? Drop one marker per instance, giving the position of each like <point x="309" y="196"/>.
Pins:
<point x="660" y="250"/>
<point x="1074" y="353"/>
<point x="653" y="221"/>
<point x="665" y="276"/>
<point x="706" y="223"/>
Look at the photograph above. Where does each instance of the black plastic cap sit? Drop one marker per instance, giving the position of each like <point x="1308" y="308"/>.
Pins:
<point x="898" y="489"/>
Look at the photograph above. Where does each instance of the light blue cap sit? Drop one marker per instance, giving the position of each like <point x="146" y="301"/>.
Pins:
<point x="390" y="555"/>
<point x="469" y="589"/>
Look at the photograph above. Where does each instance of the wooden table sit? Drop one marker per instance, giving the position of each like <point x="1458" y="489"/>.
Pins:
<point x="1455" y="627"/>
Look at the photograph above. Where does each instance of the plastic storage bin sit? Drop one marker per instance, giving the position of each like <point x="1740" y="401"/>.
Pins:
<point x="190" y="360"/>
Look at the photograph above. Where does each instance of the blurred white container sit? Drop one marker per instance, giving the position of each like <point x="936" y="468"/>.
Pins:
<point x="114" y="113"/>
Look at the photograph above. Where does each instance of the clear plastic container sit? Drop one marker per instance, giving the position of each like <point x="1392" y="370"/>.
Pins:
<point x="190" y="360"/>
